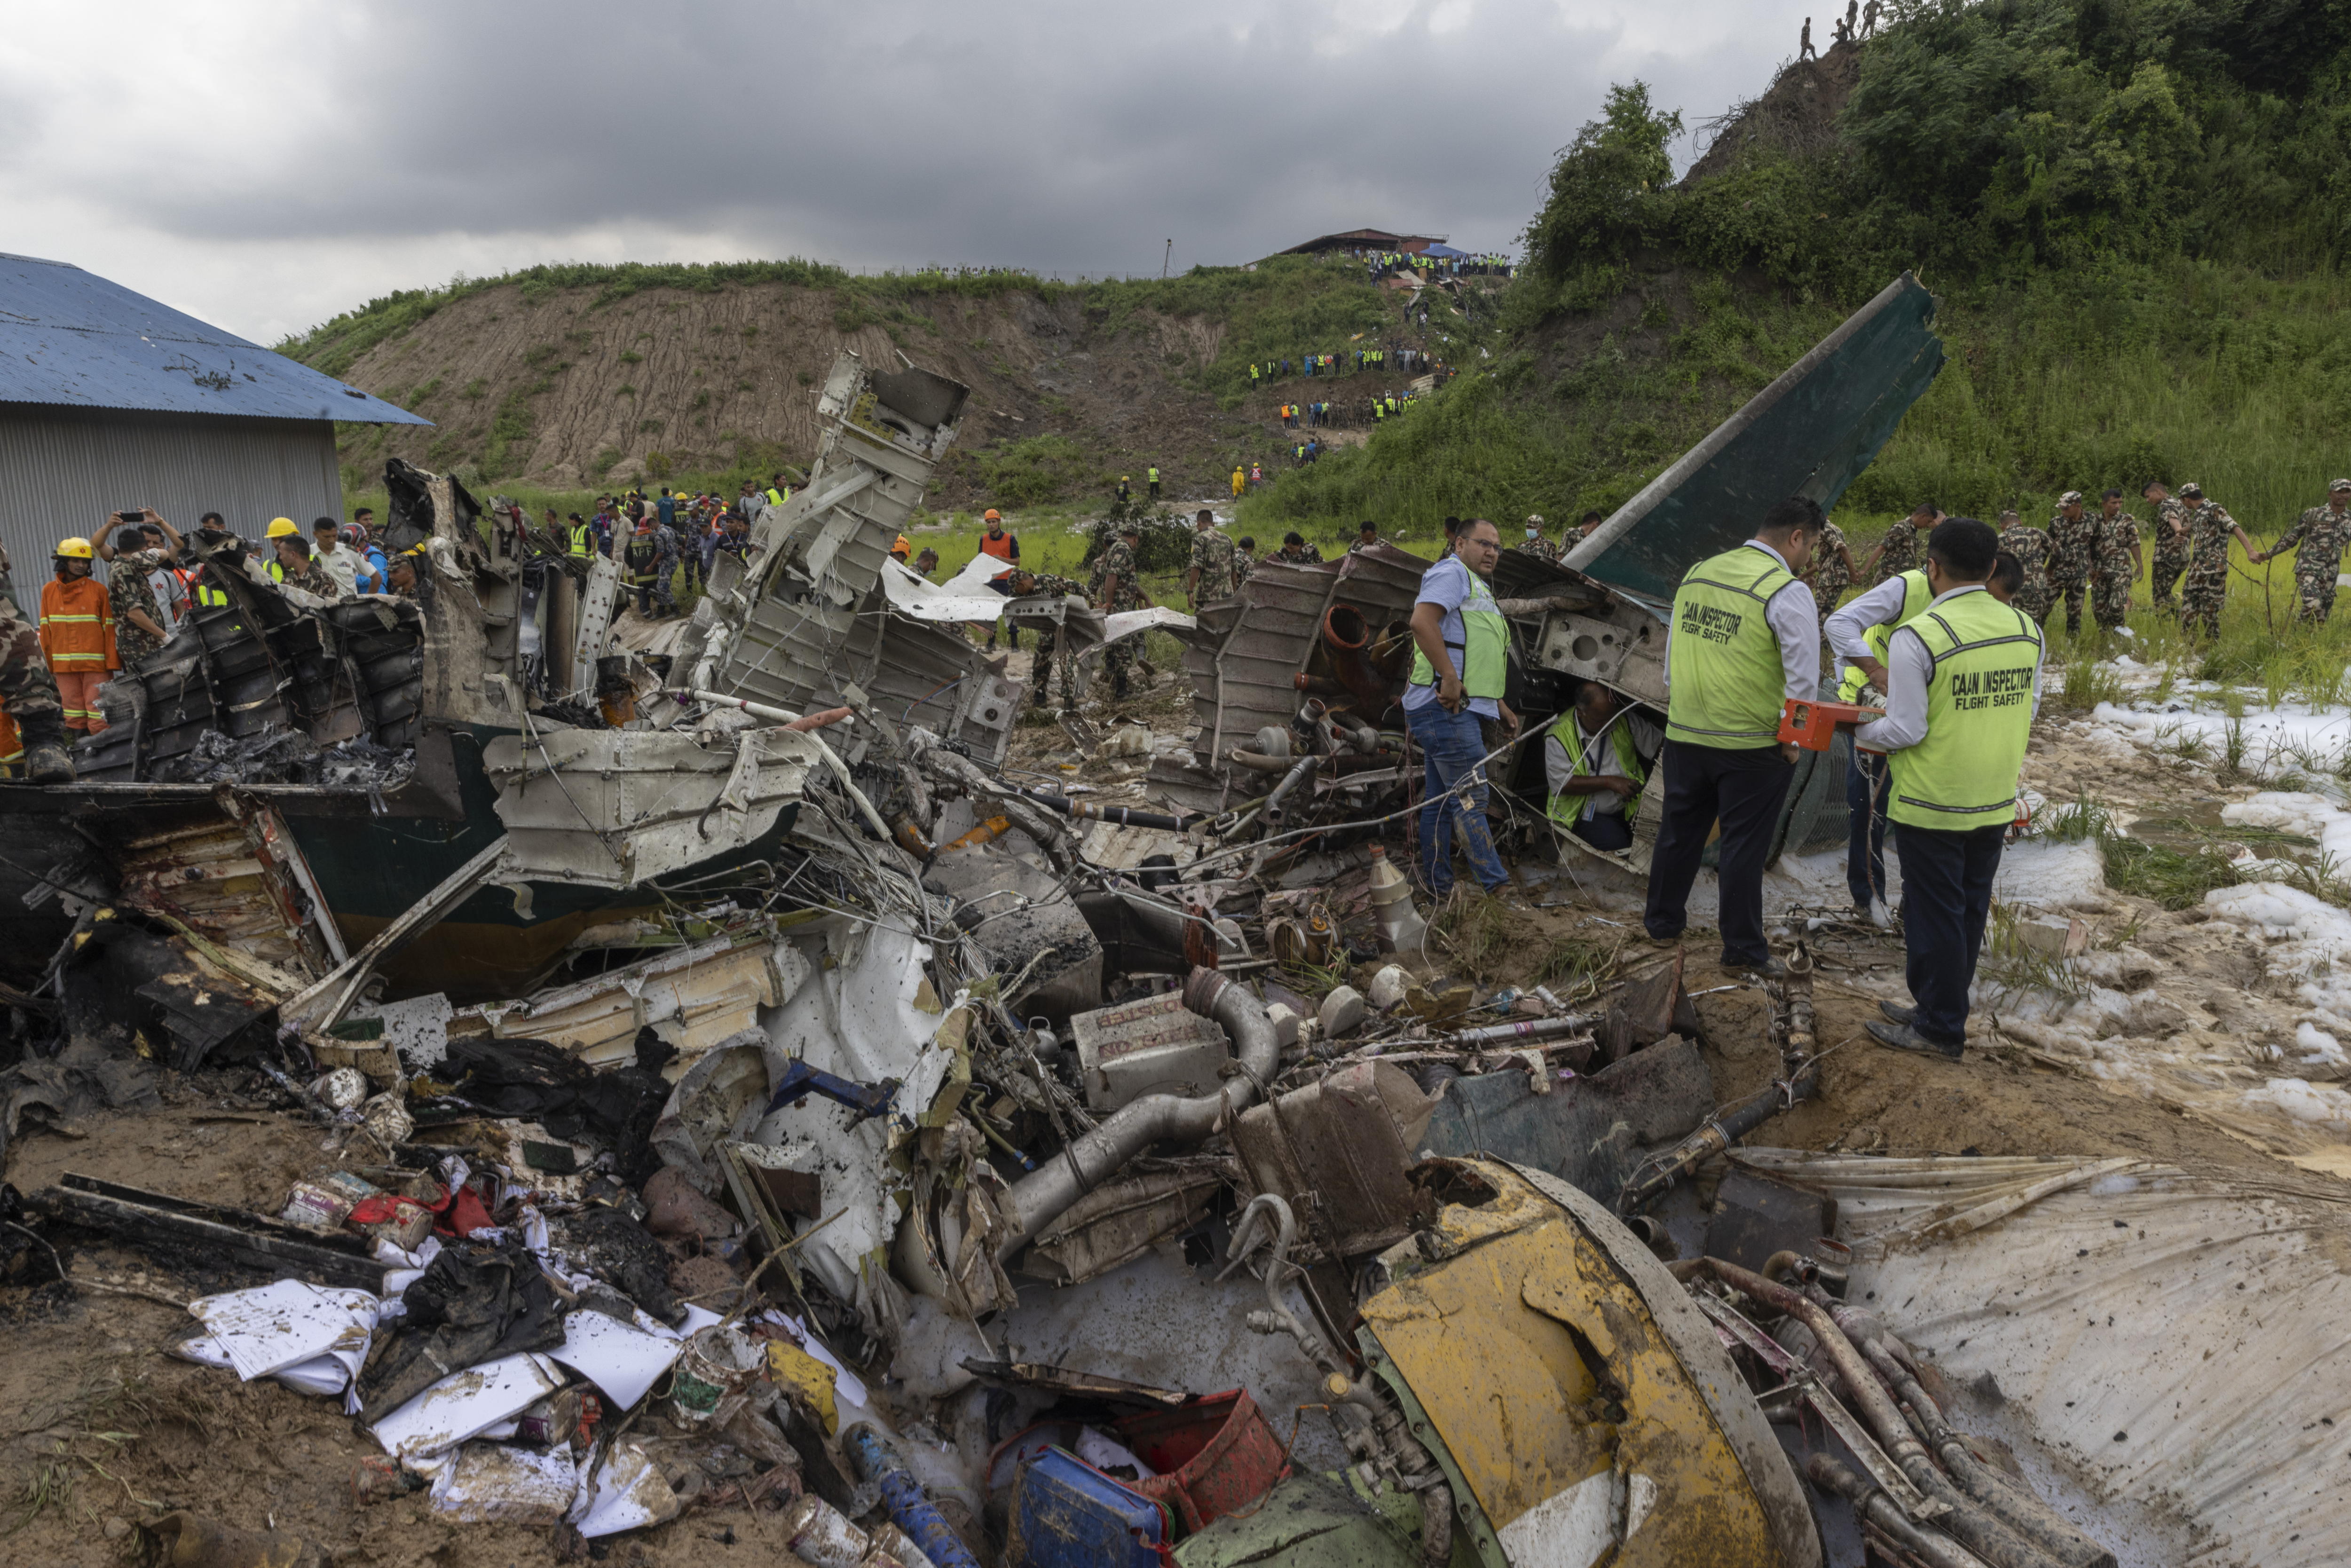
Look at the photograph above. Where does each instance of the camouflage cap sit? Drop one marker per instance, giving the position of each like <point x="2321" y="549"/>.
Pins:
<point x="2191" y="488"/>
<point x="2338" y="486"/>
<point x="2070" y="499"/>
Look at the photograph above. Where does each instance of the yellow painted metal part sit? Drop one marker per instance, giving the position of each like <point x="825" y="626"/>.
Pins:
<point x="1540" y="1367"/>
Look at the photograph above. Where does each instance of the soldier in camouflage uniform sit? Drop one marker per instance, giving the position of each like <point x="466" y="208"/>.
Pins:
<point x="298" y="568"/>
<point x="1534" y="544"/>
<point x="2072" y="549"/>
<point x="2113" y="561"/>
<point x="2322" y="532"/>
<point x="2206" y="586"/>
<point x="1116" y="585"/>
<point x="29" y="693"/>
<point x="1049" y="638"/>
<point x="1211" y="578"/>
<point x="2170" y="542"/>
<point x="1244" y="561"/>
<point x="1904" y="546"/>
<point x="139" y="620"/>
<point x="1831" y="572"/>
<point x="2031" y="548"/>
<point x="1295" y="551"/>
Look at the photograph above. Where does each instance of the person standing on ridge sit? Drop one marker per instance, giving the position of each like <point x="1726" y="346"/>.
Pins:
<point x="1743" y="638"/>
<point x="1151" y="480"/>
<point x="1964" y="681"/>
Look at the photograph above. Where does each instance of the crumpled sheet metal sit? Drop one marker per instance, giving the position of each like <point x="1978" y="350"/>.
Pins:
<point x="617" y="808"/>
<point x="695" y="997"/>
<point x="1243" y="655"/>
<point x="869" y="1014"/>
<point x="2165" y="1345"/>
<point x="1591" y="1131"/>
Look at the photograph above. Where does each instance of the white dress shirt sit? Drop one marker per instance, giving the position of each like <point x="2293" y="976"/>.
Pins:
<point x="1908" y="670"/>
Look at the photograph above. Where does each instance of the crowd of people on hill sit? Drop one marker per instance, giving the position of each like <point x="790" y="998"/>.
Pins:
<point x="1380" y="360"/>
<point x="1488" y="264"/>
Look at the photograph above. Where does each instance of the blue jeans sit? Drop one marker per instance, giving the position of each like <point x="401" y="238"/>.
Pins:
<point x="1865" y="853"/>
<point x="1454" y="747"/>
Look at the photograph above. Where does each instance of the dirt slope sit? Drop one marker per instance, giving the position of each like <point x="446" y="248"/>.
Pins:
<point x="567" y="393"/>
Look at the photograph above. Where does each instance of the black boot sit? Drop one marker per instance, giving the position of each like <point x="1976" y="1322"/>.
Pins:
<point x="47" y="760"/>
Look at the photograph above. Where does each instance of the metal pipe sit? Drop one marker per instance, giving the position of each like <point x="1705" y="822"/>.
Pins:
<point x="1125" y="816"/>
<point x="1523" y="1030"/>
<point x="1872" y="1506"/>
<point x="2011" y="1504"/>
<point x="1713" y="1138"/>
<point x="1346" y="637"/>
<point x="1271" y="816"/>
<point x="1038" y="1199"/>
<point x="1982" y="1531"/>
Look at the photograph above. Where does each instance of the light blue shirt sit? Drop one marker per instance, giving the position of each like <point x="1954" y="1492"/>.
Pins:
<point x="1451" y="584"/>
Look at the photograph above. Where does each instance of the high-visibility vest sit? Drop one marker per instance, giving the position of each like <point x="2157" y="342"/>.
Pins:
<point x="77" y="626"/>
<point x="583" y="540"/>
<point x="1566" y="809"/>
<point x="642" y="551"/>
<point x="11" y="744"/>
<point x="1153" y="474"/>
<point x="1915" y="597"/>
<point x="1727" y="681"/>
<point x="1001" y="548"/>
<point x="1482" y="661"/>
<point x="206" y="594"/>
<point x="1978" y="716"/>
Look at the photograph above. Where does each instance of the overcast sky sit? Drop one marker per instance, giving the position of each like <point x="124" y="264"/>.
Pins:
<point x="266" y="164"/>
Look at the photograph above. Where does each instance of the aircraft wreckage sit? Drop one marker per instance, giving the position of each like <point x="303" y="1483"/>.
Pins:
<point x="880" y="1033"/>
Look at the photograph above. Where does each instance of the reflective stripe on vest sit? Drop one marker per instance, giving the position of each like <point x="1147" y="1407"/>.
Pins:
<point x="1482" y="661"/>
<point x="1565" y="809"/>
<point x="1915" y="597"/>
<point x="583" y="540"/>
<point x="1979" y="716"/>
<point x="1727" y="681"/>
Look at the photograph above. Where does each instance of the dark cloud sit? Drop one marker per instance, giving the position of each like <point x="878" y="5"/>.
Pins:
<point x="1062" y="136"/>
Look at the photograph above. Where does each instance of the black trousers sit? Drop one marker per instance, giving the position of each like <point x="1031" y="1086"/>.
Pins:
<point x="1946" y="897"/>
<point x="1742" y="788"/>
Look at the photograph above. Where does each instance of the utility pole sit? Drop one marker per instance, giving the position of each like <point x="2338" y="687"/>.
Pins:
<point x="1166" y="259"/>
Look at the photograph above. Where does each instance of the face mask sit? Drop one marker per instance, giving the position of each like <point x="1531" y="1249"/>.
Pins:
<point x="1534" y="533"/>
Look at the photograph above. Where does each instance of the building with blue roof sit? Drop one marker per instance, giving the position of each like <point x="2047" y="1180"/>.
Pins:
<point x="110" y="401"/>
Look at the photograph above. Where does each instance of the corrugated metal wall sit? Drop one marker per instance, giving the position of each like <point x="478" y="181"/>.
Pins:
<point x="63" y="470"/>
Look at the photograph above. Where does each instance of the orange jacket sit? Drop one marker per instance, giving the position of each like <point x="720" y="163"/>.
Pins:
<point x="77" y="626"/>
<point x="1001" y="549"/>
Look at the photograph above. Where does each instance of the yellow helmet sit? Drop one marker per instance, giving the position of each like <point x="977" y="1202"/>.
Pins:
<point x="73" y="549"/>
<point x="281" y="526"/>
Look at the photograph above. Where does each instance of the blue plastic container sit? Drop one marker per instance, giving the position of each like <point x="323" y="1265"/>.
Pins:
<point x="1068" y="1514"/>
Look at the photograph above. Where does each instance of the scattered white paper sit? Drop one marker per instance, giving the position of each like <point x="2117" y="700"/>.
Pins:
<point x="622" y="1361"/>
<point x="280" y="1324"/>
<point x="466" y="1403"/>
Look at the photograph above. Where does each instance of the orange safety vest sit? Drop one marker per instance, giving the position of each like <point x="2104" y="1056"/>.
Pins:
<point x="77" y="626"/>
<point x="1000" y="548"/>
<point x="12" y="744"/>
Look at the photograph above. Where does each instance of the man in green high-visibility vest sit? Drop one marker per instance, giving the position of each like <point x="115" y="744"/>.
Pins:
<point x="1460" y="667"/>
<point x="1858" y="635"/>
<point x="1963" y="682"/>
<point x="1596" y="757"/>
<point x="1743" y="640"/>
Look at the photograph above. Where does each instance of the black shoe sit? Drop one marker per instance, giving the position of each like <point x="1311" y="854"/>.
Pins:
<point x="48" y="763"/>
<point x="1768" y="969"/>
<point x="1897" y="1013"/>
<point x="1902" y="1036"/>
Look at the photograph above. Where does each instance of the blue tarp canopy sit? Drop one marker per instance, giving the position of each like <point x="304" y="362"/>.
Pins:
<point x="1445" y="252"/>
<point x="69" y="336"/>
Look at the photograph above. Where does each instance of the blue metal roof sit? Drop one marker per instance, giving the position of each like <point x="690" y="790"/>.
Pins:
<point x="70" y="337"/>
